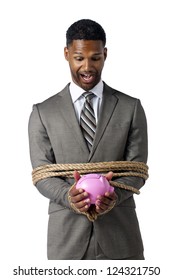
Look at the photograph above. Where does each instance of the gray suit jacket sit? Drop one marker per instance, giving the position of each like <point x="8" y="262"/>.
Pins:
<point x="55" y="137"/>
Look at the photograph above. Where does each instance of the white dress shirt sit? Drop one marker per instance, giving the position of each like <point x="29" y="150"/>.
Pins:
<point x="78" y="99"/>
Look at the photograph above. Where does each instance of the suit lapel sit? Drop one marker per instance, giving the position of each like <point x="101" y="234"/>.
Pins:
<point x="109" y="103"/>
<point x="66" y="107"/>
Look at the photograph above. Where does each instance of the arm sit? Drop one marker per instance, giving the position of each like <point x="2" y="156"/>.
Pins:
<point x="41" y="153"/>
<point x="136" y="150"/>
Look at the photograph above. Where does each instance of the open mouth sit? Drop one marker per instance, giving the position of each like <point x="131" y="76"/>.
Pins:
<point x="88" y="78"/>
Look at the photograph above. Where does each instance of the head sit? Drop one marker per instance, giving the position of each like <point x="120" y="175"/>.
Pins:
<point x="86" y="53"/>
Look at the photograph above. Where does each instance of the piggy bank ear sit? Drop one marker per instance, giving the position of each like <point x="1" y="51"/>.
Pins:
<point x="102" y="179"/>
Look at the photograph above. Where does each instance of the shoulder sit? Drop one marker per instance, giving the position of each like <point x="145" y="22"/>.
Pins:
<point x="119" y="95"/>
<point x="124" y="102"/>
<point x="43" y="110"/>
<point x="49" y="102"/>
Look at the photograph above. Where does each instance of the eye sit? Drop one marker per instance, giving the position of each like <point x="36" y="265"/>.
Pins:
<point x="96" y="58"/>
<point x="78" y="58"/>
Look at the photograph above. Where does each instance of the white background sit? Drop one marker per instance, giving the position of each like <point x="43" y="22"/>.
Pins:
<point x="32" y="68"/>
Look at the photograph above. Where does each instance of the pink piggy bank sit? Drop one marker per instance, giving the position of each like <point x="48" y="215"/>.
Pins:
<point x="94" y="185"/>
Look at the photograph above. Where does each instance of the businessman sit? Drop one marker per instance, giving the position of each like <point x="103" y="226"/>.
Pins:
<point x="88" y="121"/>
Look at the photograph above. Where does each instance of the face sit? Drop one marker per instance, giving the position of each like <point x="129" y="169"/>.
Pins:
<point x="86" y="60"/>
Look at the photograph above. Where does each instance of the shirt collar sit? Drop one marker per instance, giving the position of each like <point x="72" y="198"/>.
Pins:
<point x="77" y="91"/>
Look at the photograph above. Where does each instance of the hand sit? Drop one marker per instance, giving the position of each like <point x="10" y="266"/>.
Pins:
<point x="79" y="197"/>
<point x="103" y="203"/>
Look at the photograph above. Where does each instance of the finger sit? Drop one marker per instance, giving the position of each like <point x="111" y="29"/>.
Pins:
<point x="76" y="175"/>
<point x="100" y="209"/>
<point x="83" y="205"/>
<point x="79" y="197"/>
<point x="106" y="199"/>
<point x="109" y="175"/>
<point x="84" y="209"/>
<point x="74" y="191"/>
<point x="111" y="195"/>
<point x="103" y="202"/>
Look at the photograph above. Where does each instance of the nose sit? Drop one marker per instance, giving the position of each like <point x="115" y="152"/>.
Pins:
<point x="87" y="65"/>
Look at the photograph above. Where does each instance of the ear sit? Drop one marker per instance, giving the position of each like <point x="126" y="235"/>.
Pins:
<point x="105" y="53"/>
<point x="66" y="53"/>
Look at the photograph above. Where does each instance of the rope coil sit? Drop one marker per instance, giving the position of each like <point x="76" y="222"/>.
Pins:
<point x="119" y="169"/>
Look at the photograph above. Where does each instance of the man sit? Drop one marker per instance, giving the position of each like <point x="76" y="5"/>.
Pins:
<point x="57" y="134"/>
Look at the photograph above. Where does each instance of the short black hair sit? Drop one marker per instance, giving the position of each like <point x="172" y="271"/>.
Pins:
<point x="85" y="29"/>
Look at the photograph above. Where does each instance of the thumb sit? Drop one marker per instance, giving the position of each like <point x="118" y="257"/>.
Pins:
<point x="76" y="176"/>
<point x="109" y="175"/>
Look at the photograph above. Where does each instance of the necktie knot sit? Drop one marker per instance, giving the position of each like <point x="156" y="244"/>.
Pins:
<point x="88" y="95"/>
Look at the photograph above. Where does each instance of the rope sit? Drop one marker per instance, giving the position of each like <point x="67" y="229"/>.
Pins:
<point x="119" y="169"/>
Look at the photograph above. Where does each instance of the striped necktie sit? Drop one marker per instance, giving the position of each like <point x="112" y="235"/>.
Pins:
<point x="87" y="120"/>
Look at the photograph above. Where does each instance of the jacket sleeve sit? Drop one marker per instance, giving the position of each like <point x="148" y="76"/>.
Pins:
<point x="136" y="150"/>
<point x="41" y="153"/>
